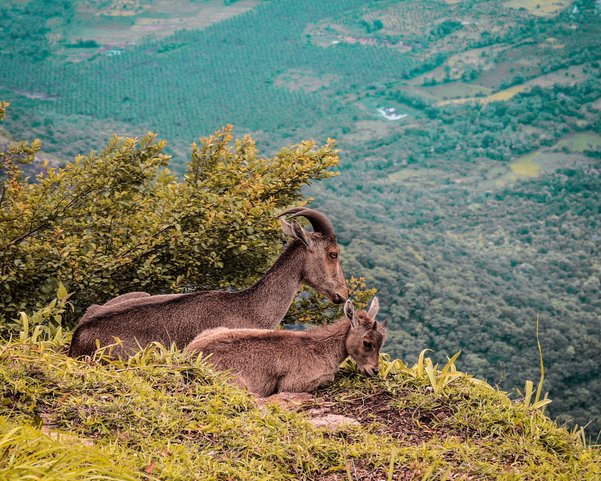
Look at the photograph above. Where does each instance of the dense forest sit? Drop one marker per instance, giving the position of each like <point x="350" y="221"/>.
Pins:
<point x="470" y="137"/>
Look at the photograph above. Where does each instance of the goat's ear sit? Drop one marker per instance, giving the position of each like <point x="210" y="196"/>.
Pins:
<point x="383" y="327"/>
<point x="294" y="230"/>
<point x="349" y="312"/>
<point x="373" y="308"/>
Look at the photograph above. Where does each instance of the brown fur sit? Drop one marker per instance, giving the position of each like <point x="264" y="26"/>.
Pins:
<point x="138" y="319"/>
<point x="268" y="362"/>
<point x="96" y="309"/>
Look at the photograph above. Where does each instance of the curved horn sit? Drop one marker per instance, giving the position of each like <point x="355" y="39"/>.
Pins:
<point x="318" y="220"/>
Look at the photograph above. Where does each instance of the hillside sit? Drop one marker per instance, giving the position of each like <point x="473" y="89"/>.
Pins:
<point x="160" y="416"/>
<point x="473" y="205"/>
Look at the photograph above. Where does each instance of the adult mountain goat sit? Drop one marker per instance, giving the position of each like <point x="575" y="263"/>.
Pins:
<point x="267" y="362"/>
<point x="138" y="319"/>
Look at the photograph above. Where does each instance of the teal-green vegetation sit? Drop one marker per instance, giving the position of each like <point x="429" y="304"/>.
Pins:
<point x="473" y="215"/>
<point x="161" y="415"/>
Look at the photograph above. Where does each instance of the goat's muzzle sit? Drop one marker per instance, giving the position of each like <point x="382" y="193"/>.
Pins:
<point x="369" y="371"/>
<point x="338" y="299"/>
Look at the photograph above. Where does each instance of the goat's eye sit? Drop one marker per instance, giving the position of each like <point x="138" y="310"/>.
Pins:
<point x="333" y="255"/>
<point x="367" y="345"/>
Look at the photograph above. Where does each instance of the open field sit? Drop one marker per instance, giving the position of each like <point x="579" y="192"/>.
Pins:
<point x="566" y="76"/>
<point x="456" y="90"/>
<point x="491" y="177"/>
<point x="526" y="166"/>
<point x="496" y="97"/>
<point x="580" y="141"/>
<point x="118" y="25"/>
<point x="456" y="66"/>
<point x="541" y="8"/>
<point x="307" y="81"/>
<point x="364" y="130"/>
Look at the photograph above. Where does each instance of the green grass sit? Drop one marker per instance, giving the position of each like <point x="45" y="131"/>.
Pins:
<point x="27" y="453"/>
<point x="454" y="90"/>
<point x="162" y="416"/>
<point x="526" y="166"/>
<point x="580" y="141"/>
<point x="540" y="8"/>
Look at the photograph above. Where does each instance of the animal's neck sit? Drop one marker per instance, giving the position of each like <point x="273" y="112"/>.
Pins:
<point x="275" y="291"/>
<point x="333" y="339"/>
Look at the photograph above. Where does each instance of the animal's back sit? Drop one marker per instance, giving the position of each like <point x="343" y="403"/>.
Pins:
<point x="223" y="338"/>
<point x="126" y="303"/>
<point x="264" y="361"/>
<point x="136" y="322"/>
<point x="121" y="301"/>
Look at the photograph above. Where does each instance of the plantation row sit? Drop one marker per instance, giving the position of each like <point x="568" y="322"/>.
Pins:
<point x="203" y="77"/>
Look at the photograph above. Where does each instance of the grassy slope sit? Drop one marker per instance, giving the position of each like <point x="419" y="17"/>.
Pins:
<point x="160" y="416"/>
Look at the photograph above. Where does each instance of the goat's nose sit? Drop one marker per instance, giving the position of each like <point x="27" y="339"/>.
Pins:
<point x="338" y="299"/>
<point x="376" y="371"/>
<point x="369" y="372"/>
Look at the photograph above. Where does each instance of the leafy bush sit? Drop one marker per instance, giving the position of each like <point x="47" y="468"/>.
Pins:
<point x="117" y="220"/>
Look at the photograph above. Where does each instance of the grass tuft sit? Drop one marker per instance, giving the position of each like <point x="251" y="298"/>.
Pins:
<point x="27" y="453"/>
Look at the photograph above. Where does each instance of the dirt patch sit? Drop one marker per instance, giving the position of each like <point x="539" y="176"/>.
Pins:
<point x="305" y="80"/>
<point x="379" y="412"/>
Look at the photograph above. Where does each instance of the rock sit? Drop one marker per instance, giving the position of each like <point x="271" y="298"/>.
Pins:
<point x="331" y="421"/>
<point x="317" y="417"/>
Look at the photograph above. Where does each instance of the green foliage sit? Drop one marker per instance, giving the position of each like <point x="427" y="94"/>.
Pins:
<point x="312" y="307"/>
<point x="28" y="453"/>
<point x="537" y="402"/>
<point x="426" y="371"/>
<point x="45" y="323"/>
<point x="25" y="27"/>
<point x="160" y="415"/>
<point x="12" y="159"/>
<point x="445" y="28"/>
<point x="117" y="221"/>
<point x="466" y="256"/>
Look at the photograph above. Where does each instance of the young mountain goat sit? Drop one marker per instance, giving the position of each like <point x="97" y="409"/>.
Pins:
<point x="138" y="319"/>
<point x="268" y="362"/>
